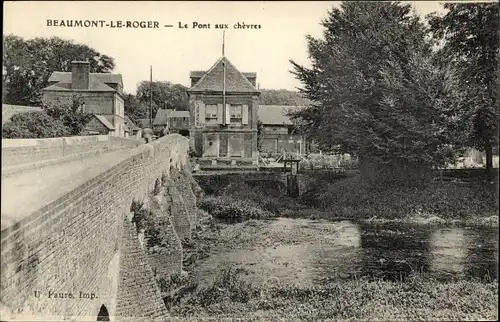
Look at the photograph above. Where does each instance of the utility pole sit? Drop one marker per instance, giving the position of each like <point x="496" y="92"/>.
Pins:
<point x="150" y="116"/>
<point x="224" y="116"/>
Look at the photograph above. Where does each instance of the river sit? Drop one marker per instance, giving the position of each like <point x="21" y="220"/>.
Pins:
<point x="309" y="252"/>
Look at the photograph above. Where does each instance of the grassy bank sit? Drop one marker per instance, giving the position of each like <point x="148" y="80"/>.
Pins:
<point x="229" y="296"/>
<point x="469" y="203"/>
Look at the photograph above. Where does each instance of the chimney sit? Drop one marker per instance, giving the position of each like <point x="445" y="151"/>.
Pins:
<point x="80" y="74"/>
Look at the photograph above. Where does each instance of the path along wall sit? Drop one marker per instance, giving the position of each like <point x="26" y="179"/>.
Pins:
<point x="20" y="154"/>
<point x="75" y="246"/>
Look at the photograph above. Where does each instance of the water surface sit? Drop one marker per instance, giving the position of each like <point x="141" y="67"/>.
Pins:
<point x="346" y="250"/>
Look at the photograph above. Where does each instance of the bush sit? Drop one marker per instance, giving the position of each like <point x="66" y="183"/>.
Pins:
<point x="232" y="209"/>
<point x="34" y="125"/>
<point x="355" y="198"/>
<point x="143" y="220"/>
<point x="395" y="174"/>
<point x="227" y="285"/>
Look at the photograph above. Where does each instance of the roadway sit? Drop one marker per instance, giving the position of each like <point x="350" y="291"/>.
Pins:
<point x="26" y="192"/>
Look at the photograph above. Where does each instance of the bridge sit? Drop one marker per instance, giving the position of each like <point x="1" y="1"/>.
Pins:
<point x="69" y="247"/>
<point x="214" y="182"/>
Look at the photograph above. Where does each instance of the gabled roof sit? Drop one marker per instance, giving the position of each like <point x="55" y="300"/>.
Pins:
<point x="104" y="119"/>
<point x="65" y="77"/>
<point x="8" y="111"/>
<point x="131" y="124"/>
<point x="162" y="116"/>
<point x="213" y="80"/>
<point x="97" y="82"/>
<point x="276" y="114"/>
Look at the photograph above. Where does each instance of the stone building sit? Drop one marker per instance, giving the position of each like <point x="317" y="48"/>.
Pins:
<point x="100" y="94"/>
<point x="172" y="120"/>
<point x="278" y="132"/>
<point x="223" y="115"/>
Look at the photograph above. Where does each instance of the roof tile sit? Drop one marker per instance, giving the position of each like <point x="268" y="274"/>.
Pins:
<point x="213" y="79"/>
<point x="276" y="114"/>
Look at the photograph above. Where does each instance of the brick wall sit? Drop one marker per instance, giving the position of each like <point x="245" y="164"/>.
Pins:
<point x="18" y="154"/>
<point x="95" y="102"/>
<point x="77" y="243"/>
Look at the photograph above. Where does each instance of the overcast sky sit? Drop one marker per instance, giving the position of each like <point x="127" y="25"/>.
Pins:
<point x="173" y="52"/>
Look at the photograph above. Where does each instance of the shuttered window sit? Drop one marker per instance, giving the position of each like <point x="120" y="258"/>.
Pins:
<point x="236" y="112"/>
<point x="211" y="113"/>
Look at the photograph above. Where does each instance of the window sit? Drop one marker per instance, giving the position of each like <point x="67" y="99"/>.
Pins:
<point x="236" y="113"/>
<point x="211" y="111"/>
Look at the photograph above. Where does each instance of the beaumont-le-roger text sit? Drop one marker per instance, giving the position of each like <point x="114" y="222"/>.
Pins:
<point x="146" y="24"/>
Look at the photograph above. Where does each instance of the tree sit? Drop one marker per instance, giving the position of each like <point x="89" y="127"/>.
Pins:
<point x="33" y="125"/>
<point x="470" y="36"/>
<point x="73" y="115"/>
<point x="28" y="64"/>
<point x="134" y="109"/>
<point x="165" y="95"/>
<point x="376" y="90"/>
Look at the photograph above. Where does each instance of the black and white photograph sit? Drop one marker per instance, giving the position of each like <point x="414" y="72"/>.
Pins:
<point x="250" y="161"/>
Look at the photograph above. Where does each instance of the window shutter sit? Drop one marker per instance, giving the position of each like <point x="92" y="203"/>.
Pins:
<point x="228" y="114"/>
<point x="244" y="114"/>
<point x="220" y="114"/>
<point x="201" y="113"/>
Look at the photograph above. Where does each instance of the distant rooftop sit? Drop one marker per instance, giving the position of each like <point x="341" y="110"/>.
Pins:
<point x="276" y="114"/>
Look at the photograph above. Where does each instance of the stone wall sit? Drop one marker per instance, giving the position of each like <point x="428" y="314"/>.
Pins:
<point x="20" y="154"/>
<point x="79" y="242"/>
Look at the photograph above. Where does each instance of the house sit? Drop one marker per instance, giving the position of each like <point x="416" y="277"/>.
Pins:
<point x="278" y="131"/>
<point x="8" y="111"/>
<point x="172" y="120"/>
<point x="223" y="115"/>
<point x="131" y="129"/>
<point x="100" y="94"/>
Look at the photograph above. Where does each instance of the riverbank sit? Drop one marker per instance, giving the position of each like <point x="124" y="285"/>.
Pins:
<point x="439" y="203"/>
<point x="273" y="269"/>
<point x="345" y="301"/>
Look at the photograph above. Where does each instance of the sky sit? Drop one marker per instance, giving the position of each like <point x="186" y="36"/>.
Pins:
<point x="172" y="51"/>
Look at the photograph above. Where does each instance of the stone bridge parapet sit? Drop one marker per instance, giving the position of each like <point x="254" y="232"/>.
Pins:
<point x="74" y="255"/>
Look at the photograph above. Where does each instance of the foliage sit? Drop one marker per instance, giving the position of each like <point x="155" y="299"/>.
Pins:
<point x="269" y="196"/>
<point x="355" y="199"/>
<point x="170" y="283"/>
<point x="469" y="32"/>
<point x="33" y="125"/>
<point x="260" y="134"/>
<point x="134" y="109"/>
<point x="157" y="187"/>
<point x="28" y="64"/>
<point x="56" y="120"/>
<point x="144" y="220"/>
<point x="165" y="95"/>
<point x="419" y="298"/>
<point x="73" y="115"/>
<point x="232" y="209"/>
<point x="282" y="97"/>
<point x="377" y="90"/>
